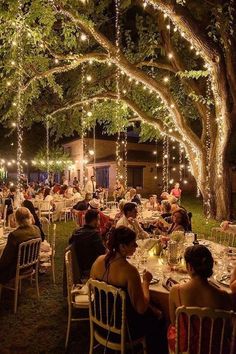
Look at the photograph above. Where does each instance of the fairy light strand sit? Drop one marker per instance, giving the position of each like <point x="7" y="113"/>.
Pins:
<point x="117" y="26"/>
<point x="19" y="101"/>
<point x="47" y="147"/>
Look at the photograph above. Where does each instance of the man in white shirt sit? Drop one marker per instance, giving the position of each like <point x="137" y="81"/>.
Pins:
<point x="90" y="186"/>
<point x="129" y="220"/>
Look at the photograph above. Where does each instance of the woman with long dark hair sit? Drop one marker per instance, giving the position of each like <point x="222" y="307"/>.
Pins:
<point x="29" y="205"/>
<point x="114" y="268"/>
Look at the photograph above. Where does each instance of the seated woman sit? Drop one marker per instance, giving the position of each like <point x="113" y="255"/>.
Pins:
<point x="121" y="205"/>
<point x="115" y="269"/>
<point x="152" y="203"/>
<point x="199" y="264"/>
<point x="180" y="222"/>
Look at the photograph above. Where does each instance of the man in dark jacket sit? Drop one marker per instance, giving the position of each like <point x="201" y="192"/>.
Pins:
<point x="87" y="242"/>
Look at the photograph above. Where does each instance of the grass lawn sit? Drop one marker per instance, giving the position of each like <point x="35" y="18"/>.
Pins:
<point x="40" y="326"/>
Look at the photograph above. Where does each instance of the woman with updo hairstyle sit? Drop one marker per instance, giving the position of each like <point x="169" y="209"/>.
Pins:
<point x="198" y="291"/>
<point x="114" y="268"/>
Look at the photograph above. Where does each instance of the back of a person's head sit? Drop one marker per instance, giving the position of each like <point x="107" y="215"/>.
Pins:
<point x="91" y="215"/>
<point x="12" y="189"/>
<point x="121" y="235"/>
<point x="200" y="259"/>
<point x="132" y="191"/>
<point x="129" y="207"/>
<point x="122" y="203"/>
<point x="166" y="205"/>
<point x="87" y="196"/>
<point x="23" y="216"/>
<point x="46" y="192"/>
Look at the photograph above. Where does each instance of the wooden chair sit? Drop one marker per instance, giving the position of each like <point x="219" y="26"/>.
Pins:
<point x="27" y="266"/>
<point x="110" y="321"/>
<point x="224" y="237"/>
<point x="75" y="300"/>
<point x="207" y="331"/>
<point x="50" y="258"/>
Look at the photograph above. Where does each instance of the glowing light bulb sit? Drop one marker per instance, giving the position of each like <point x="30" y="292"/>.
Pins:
<point x="83" y="37"/>
<point x="166" y="79"/>
<point x="90" y="61"/>
<point x="14" y="43"/>
<point x="124" y="91"/>
<point x="109" y="63"/>
<point x="168" y="27"/>
<point x="157" y="164"/>
<point x="185" y="181"/>
<point x="13" y="124"/>
<point x="155" y="177"/>
<point x="130" y="79"/>
<point x="56" y="61"/>
<point x="175" y="29"/>
<point x="14" y="104"/>
<point x="91" y="152"/>
<point x="89" y="114"/>
<point x="191" y="47"/>
<point x="173" y="169"/>
<point x="8" y="83"/>
<point x="170" y="55"/>
<point x="89" y="78"/>
<point x="154" y="152"/>
<point x="165" y="15"/>
<point x="13" y="62"/>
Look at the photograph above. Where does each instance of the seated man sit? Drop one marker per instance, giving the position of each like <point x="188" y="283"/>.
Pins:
<point x="87" y="242"/>
<point x="129" y="220"/>
<point x="81" y="205"/>
<point x="25" y="232"/>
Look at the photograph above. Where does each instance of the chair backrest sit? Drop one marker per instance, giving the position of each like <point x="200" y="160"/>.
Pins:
<point x="44" y="206"/>
<point x="28" y="253"/>
<point x="69" y="275"/>
<point x="205" y="331"/>
<point x="53" y="239"/>
<point x="107" y="308"/>
<point x="224" y="237"/>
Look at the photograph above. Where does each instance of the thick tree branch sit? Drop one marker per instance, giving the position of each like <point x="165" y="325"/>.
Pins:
<point x="77" y="60"/>
<point x="184" y="20"/>
<point x="139" y="75"/>
<point x="155" y="64"/>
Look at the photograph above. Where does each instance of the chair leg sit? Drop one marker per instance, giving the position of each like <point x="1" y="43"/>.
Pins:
<point x="37" y="279"/>
<point x="68" y="326"/>
<point x="0" y="291"/>
<point x="144" y="344"/>
<point x="19" y="286"/>
<point x="91" y="342"/>
<point x="53" y="270"/>
<point x="16" y="295"/>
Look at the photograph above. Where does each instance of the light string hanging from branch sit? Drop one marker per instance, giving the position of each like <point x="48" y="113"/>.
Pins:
<point x="117" y="26"/>
<point x="19" y="101"/>
<point x="83" y="126"/>
<point x="47" y="147"/>
<point x="208" y="157"/>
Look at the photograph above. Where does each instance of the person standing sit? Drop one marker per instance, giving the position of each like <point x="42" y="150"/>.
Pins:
<point x="90" y="186"/>
<point x="176" y="191"/>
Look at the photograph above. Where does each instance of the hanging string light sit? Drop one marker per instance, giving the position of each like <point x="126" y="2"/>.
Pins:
<point x="83" y="127"/>
<point x="19" y="101"/>
<point x="47" y="147"/>
<point x="117" y="25"/>
<point x="125" y="159"/>
<point x="208" y="158"/>
<point x="94" y="148"/>
<point x="164" y="165"/>
<point x="180" y="163"/>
